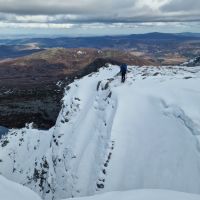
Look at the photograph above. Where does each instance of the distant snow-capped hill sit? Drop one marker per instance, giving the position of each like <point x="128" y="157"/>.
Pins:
<point x="111" y="136"/>
<point x="193" y="62"/>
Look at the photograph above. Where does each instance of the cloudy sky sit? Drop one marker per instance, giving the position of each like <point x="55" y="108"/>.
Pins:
<point x="98" y="17"/>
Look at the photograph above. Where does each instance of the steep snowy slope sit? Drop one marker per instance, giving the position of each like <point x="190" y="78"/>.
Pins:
<point x="112" y="136"/>
<point x="23" y="157"/>
<point x="14" y="191"/>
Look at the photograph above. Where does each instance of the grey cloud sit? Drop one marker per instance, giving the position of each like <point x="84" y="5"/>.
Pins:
<point x="136" y="19"/>
<point x="97" y="11"/>
<point x="51" y="7"/>
<point x="81" y="19"/>
<point x="182" y="5"/>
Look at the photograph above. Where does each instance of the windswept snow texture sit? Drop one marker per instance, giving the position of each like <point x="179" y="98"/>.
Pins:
<point x="142" y="195"/>
<point x="111" y="136"/>
<point x="14" y="191"/>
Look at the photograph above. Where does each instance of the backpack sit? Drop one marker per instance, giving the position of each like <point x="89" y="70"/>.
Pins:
<point x="123" y="68"/>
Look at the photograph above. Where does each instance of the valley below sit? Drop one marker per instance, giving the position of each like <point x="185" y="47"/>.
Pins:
<point x="31" y="87"/>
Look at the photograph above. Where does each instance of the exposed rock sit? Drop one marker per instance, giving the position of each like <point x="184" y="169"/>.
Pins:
<point x="193" y="62"/>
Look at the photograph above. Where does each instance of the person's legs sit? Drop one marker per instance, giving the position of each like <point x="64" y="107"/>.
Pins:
<point x="123" y="77"/>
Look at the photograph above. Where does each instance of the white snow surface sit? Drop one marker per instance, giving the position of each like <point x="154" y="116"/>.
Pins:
<point x="146" y="194"/>
<point x="111" y="136"/>
<point x="13" y="191"/>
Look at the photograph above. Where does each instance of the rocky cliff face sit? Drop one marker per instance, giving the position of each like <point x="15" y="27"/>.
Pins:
<point x="31" y="87"/>
<point x="38" y="105"/>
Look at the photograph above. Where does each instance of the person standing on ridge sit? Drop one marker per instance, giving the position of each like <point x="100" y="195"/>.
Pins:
<point x="123" y="70"/>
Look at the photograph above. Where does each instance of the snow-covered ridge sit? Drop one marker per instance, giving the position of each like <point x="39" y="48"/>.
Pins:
<point x="111" y="136"/>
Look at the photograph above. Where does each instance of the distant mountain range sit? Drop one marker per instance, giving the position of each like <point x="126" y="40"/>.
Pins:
<point x="14" y="51"/>
<point x="190" y="34"/>
<point x="154" y="45"/>
<point x="124" y="41"/>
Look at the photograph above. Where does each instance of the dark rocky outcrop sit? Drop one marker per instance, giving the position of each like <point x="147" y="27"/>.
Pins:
<point x="38" y="105"/>
<point x="193" y="62"/>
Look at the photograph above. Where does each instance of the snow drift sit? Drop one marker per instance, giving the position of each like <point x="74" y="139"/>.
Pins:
<point x="111" y="136"/>
<point x="14" y="191"/>
<point x="142" y="195"/>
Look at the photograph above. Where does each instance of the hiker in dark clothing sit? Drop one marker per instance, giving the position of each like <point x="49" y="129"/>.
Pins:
<point x="123" y="70"/>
